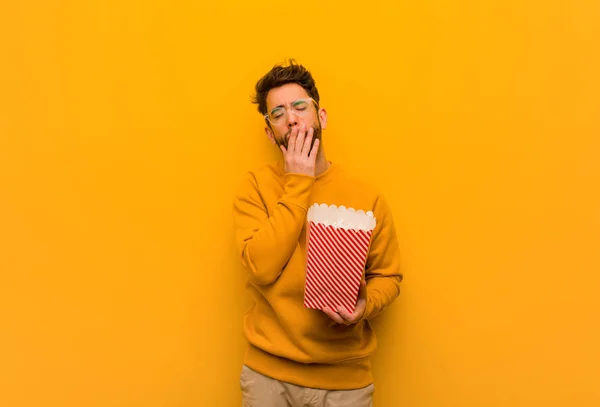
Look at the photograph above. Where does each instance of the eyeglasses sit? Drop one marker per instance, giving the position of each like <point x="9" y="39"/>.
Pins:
<point x="299" y="107"/>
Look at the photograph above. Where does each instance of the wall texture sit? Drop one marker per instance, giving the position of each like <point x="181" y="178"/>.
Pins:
<point x="125" y="127"/>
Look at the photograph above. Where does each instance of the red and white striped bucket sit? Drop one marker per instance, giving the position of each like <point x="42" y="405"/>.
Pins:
<point x="338" y="244"/>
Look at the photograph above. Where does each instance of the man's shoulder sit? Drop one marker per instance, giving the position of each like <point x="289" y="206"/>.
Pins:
<point x="266" y="172"/>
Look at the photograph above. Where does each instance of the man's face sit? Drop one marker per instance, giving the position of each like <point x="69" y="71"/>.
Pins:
<point x="284" y="96"/>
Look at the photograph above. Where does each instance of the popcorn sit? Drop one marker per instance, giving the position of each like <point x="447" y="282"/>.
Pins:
<point x="338" y="245"/>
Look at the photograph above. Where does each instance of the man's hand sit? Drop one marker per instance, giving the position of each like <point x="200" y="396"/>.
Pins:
<point x="342" y="316"/>
<point x="299" y="158"/>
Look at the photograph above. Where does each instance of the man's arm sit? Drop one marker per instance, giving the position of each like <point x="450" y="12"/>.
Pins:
<point x="383" y="264"/>
<point x="382" y="272"/>
<point x="267" y="243"/>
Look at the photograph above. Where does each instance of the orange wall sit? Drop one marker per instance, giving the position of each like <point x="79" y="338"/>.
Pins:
<point x="125" y="127"/>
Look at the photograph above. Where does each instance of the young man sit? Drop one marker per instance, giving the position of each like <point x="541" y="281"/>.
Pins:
<point x="299" y="356"/>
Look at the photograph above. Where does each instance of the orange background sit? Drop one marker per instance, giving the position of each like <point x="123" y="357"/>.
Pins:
<point x="125" y="127"/>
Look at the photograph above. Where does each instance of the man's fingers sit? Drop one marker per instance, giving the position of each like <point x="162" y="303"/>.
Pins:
<point x="346" y="315"/>
<point x="314" y="151"/>
<point x="363" y="285"/>
<point x="283" y="150"/>
<point x="333" y="315"/>
<point x="307" y="142"/>
<point x="300" y="139"/>
<point x="292" y="139"/>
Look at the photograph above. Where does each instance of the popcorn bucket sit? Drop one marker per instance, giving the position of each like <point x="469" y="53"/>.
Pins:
<point x="338" y="244"/>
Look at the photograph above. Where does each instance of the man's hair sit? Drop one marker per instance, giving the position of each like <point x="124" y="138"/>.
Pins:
<point x="280" y="75"/>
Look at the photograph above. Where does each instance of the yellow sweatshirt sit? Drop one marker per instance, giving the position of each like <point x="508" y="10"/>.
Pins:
<point x="287" y="341"/>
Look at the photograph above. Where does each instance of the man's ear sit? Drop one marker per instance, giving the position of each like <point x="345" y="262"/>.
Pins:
<point x="323" y="118"/>
<point x="270" y="135"/>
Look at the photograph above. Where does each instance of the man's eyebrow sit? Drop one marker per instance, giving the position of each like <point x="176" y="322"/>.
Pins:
<point x="276" y="107"/>
<point x="291" y="103"/>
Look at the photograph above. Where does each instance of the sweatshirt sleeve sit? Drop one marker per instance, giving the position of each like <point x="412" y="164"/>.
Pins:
<point x="383" y="263"/>
<point x="265" y="242"/>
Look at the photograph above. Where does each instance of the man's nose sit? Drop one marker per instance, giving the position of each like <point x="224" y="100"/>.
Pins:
<point x="292" y="119"/>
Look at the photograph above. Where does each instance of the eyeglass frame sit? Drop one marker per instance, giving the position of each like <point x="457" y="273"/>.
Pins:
<point x="266" y="116"/>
